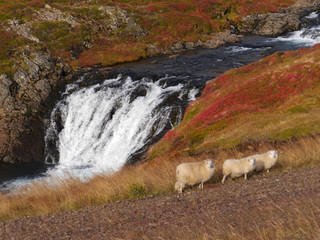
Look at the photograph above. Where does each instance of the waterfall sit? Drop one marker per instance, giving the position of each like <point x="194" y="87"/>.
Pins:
<point x="98" y="128"/>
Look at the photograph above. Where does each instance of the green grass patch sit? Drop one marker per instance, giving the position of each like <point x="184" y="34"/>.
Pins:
<point x="298" y="109"/>
<point x="298" y="131"/>
<point x="136" y="190"/>
<point x="49" y="31"/>
<point x="89" y="13"/>
<point x="9" y="44"/>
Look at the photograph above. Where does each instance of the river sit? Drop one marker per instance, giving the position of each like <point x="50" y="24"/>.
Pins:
<point x="102" y="122"/>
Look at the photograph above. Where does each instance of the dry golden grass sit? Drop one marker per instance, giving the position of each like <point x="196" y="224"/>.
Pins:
<point x="44" y="197"/>
<point x="137" y="181"/>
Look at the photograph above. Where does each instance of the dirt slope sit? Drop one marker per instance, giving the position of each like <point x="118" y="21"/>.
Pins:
<point x="193" y="214"/>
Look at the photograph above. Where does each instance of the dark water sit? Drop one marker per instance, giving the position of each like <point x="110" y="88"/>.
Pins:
<point x="201" y="64"/>
<point x="23" y="171"/>
<point x="210" y="63"/>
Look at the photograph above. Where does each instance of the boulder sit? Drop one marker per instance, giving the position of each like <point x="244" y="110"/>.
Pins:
<point x="275" y="24"/>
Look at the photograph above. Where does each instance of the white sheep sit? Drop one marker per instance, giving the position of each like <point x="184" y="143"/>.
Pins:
<point x="193" y="173"/>
<point x="237" y="167"/>
<point x="266" y="160"/>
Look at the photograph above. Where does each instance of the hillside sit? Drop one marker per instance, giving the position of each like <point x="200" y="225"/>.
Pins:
<point x="274" y="100"/>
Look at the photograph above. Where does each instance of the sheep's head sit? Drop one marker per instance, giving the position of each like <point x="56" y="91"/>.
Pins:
<point x="252" y="161"/>
<point x="273" y="154"/>
<point x="209" y="163"/>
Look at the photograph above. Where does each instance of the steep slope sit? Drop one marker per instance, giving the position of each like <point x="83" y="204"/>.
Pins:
<point x="275" y="99"/>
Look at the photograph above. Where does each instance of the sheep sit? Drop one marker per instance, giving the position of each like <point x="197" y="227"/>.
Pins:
<point x="265" y="161"/>
<point x="237" y="167"/>
<point x="193" y="173"/>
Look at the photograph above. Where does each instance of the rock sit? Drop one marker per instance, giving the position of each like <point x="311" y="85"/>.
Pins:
<point x="177" y="47"/>
<point x="216" y="40"/>
<point x="272" y="24"/>
<point x="24" y="99"/>
<point x="3" y="140"/>
<point x="189" y="45"/>
<point x="22" y="30"/>
<point x="275" y="24"/>
<point x="119" y="22"/>
<point x="44" y="88"/>
<point x="306" y="3"/>
<point x="8" y="159"/>
<point x="153" y="50"/>
<point x="54" y="14"/>
<point x="221" y="38"/>
<point x="5" y="84"/>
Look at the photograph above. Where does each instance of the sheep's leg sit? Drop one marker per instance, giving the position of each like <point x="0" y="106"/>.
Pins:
<point x="179" y="187"/>
<point x="182" y="186"/>
<point x="201" y="185"/>
<point x="245" y="176"/>
<point x="268" y="170"/>
<point x="223" y="179"/>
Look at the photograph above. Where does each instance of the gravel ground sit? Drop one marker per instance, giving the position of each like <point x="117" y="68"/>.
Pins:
<point x="173" y="216"/>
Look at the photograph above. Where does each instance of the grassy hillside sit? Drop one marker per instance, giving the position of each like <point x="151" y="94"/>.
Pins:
<point x="273" y="100"/>
<point x="86" y="33"/>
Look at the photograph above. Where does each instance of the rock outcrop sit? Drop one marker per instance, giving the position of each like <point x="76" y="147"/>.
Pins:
<point x="23" y="101"/>
<point x="119" y="22"/>
<point x="274" y="24"/>
<point x="216" y="40"/>
<point x="269" y="24"/>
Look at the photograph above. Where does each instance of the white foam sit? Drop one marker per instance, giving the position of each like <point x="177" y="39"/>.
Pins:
<point x="312" y="15"/>
<point x="304" y="37"/>
<point x="238" y="49"/>
<point x="192" y="94"/>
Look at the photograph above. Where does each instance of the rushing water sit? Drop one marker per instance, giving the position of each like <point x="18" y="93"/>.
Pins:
<point x="100" y="124"/>
<point x="100" y="127"/>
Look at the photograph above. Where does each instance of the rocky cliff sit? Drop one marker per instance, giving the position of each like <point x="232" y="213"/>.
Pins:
<point x="24" y="98"/>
